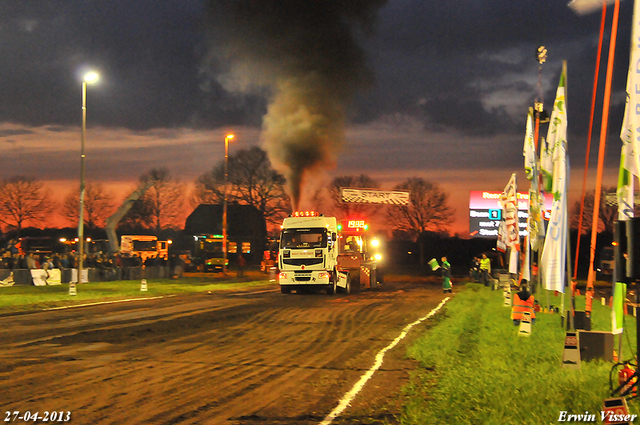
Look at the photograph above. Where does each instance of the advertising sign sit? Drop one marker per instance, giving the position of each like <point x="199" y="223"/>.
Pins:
<point x="485" y="212"/>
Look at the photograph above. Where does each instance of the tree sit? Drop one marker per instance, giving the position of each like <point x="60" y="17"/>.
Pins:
<point x="24" y="199"/>
<point x="163" y="200"/>
<point x="251" y="181"/>
<point x="98" y="205"/>
<point x="351" y="209"/>
<point x="427" y="210"/>
<point x="606" y="216"/>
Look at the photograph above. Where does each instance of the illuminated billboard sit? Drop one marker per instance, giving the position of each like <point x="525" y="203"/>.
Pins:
<point x="485" y="212"/>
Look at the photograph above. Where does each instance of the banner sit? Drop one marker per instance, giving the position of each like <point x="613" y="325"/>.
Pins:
<point x="630" y="133"/>
<point x="55" y="277"/>
<point x="529" y="150"/>
<point x="39" y="277"/>
<point x="510" y="213"/>
<point x="374" y="196"/>
<point x="554" y="254"/>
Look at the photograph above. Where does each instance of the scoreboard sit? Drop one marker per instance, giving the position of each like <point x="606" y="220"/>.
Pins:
<point x="485" y="212"/>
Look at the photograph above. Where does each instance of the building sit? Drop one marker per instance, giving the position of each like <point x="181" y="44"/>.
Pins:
<point x="246" y="229"/>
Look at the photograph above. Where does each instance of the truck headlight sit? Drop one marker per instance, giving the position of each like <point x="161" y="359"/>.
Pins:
<point x="323" y="275"/>
<point x="282" y="275"/>
<point x="377" y="257"/>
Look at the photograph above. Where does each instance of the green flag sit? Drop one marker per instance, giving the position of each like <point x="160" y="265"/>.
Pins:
<point x="617" y="310"/>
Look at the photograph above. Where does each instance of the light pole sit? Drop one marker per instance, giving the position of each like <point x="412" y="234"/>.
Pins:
<point x="224" y="207"/>
<point x="88" y="78"/>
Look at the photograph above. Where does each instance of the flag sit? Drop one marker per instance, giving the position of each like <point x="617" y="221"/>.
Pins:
<point x="625" y="188"/>
<point x="630" y="133"/>
<point x="529" y="150"/>
<point x="617" y="309"/>
<point x="526" y="261"/>
<point x="510" y="213"/>
<point x="546" y="165"/>
<point x="554" y="254"/>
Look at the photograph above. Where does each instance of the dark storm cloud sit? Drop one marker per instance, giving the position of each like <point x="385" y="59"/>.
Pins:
<point x="17" y="132"/>
<point x="146" y="51"/>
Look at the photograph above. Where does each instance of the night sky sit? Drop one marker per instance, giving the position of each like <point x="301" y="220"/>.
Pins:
<point x="411" y="88"/>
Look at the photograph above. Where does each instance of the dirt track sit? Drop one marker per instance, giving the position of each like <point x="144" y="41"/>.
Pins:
<point x="233" y="358"/>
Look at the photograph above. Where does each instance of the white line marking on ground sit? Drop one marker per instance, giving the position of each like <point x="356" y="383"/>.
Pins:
<point x="107" y="302"/>
<point x="348" y="397"/>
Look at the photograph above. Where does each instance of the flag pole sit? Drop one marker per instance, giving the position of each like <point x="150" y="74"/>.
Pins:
<point x="603" y="141"/>
<point x="586" y="161"/>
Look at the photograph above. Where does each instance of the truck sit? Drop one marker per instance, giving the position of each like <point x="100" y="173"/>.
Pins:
<point x="207" y="253"/>
<point x="308" y="254"/>
<point x="359" y="253"/>
<point x="144" y="246"/>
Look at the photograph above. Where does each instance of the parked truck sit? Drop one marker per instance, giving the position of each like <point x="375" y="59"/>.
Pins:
<point x="208" y="254"/>
<point x="308" y="254"/>
<point x="144" y="246"/>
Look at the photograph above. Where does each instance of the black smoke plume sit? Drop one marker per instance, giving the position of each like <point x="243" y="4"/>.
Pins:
<point x="304" y="56"/>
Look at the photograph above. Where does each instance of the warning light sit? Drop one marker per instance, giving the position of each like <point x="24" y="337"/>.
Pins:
<point x="305" y="214"/>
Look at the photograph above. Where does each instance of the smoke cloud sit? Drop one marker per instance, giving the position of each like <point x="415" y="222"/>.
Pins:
<point x="304" y="57"/>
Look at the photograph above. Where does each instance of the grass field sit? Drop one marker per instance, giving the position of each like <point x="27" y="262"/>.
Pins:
<point x="29" y="298"/>
<point x="475" y="369"/>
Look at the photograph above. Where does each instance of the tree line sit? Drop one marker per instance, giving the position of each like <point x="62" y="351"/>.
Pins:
<point x="27" y="201"/>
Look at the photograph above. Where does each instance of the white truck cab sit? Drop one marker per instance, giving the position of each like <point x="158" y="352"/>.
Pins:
<point x="308" y="254"/>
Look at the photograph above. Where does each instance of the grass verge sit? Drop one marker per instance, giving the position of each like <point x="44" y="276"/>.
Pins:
<point x="15" y="299"/>
<point x="475" y="369"/>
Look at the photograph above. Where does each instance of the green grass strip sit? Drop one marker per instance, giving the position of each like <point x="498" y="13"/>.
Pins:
<point x="475" y="369"/>
<point x="29" y="298"/>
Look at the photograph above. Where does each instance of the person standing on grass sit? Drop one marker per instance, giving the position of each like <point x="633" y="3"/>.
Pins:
<point x="446" y="276"/>
<point x="523" y="302"/>
<point x="485" y="269"/>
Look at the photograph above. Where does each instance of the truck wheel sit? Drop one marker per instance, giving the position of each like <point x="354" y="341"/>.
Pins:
<point x="347" y="288"/>
<point x="333" y="285"/>
<point x="285" y="289"/>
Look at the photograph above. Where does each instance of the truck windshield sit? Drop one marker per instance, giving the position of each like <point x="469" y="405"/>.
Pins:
<point x="304" y="238"/>
<point x="210" y="248"/>
<point x="144" y="245"/>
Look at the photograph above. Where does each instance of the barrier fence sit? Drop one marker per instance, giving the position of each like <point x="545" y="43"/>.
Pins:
<point x="25" y="276"/>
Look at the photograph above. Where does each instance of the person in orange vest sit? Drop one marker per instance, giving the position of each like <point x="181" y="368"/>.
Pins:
<point x="522" y="302"/>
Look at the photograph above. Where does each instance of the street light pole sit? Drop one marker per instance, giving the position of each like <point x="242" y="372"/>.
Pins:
<point x="88" y="78"/>
<point x="224" y="208"/>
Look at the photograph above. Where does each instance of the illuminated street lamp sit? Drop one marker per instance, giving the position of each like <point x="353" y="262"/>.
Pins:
<point x="90" y="77"/>
<point x="224" y="208"/>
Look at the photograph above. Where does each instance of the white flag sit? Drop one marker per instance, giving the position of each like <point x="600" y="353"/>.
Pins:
<point x="546" y="165"/>
<point x="510" y="212"/>
<point x="630" y="133"/>
<point x="529" y="150"/>
<point x="554" y="254"/>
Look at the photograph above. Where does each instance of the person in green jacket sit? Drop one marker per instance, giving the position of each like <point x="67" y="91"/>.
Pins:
<point x="446" y="276"/>
<point x="485" y="269"/>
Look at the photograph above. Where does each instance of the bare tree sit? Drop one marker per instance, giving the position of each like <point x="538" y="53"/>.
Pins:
<point x="98" y="205"/>
<point x="251" y="181"/>
<point x="165" y="198"/>
<point x="24" y="199"/>
<point x="427" y="211"/>
<point x="606" y="216"/>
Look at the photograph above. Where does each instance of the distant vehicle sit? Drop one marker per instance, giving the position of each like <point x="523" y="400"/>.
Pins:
<point x="38" y="245"/>
<point x="144" y="246"/>
<point x="208" y="254"/>
<point x="607" y="260"/>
